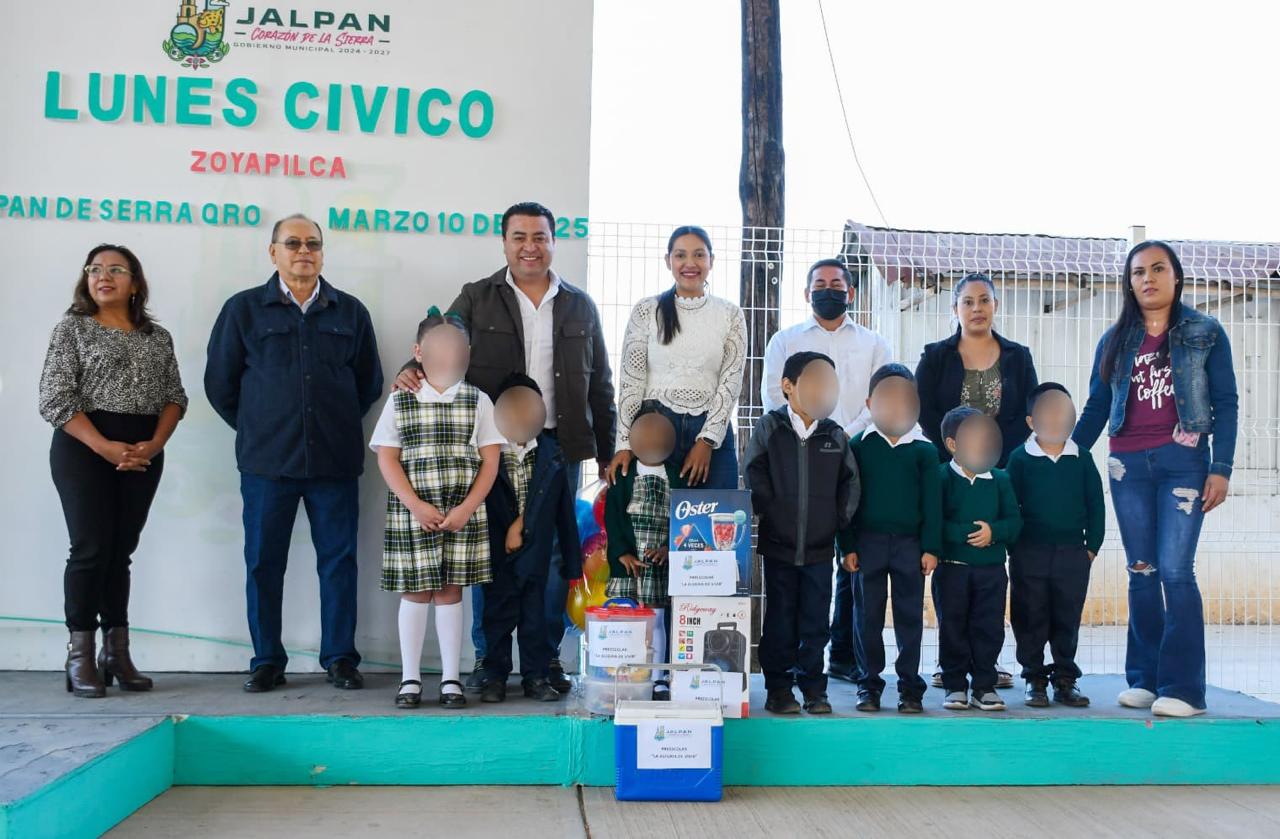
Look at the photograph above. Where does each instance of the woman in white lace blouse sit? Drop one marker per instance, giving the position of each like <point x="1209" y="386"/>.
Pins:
<point x="685" y="349"/>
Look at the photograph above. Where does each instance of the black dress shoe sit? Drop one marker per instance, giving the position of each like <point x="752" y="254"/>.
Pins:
<point x="910" y="705"/>
<point x="264" y="677"/>
<point x="817" y="703"/>
<point x="1036" y="695"/>
<point x="478" y="678"/>
<point x="452" y="700"/>
<point x="868" y="701"/>
<point x="1066" y="693"/>
<point x="782" y="701"/>
<point x="557" y="678"/>
<point x="409" y="698"/>
<point x="540" y="690"/>
<point x="494" y="690"/>
<point x="344" y="675"/>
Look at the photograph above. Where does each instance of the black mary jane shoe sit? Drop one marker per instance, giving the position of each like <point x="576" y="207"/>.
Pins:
<point x="452" y="700"/>
<point x="409" y="698"/>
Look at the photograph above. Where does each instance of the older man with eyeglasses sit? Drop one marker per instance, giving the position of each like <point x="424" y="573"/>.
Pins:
<point x="293" y="367"/>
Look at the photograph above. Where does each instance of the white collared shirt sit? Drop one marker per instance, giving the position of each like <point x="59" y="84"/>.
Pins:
<point x="539" y="338"/>
<point x="520" y="451"/>
<point x="659" y="471"/>
<point x="483" y="433"/>
<point x="804" y="432"/>
<point x="288" y="293"/>
<point x="916" y="433"/>
<point x="857" y="352"/>
<point x="955" y="467"/>
<point x="1069" y="449"/>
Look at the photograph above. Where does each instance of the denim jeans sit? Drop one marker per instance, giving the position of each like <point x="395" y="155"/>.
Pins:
<point x="724" y="460"/>
<point x="270" y="507"/>
<point x="1156" y="494"/>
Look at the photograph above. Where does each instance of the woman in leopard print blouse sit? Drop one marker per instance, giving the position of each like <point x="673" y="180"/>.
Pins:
<point x="112" y="392"/>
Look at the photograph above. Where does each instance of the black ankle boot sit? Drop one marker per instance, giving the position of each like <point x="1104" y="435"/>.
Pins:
<point x="83" y="678"/>
<point x="114" y="661"/>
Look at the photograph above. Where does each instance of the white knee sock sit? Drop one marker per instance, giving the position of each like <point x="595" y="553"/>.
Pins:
<point x="449" y="633"/>
<point x="413" y="631"/>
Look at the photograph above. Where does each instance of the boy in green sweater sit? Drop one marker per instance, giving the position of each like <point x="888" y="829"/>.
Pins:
<point x="980" y="519"/>
<point x="1060" y="494"/>
<point x="895" y="535"/>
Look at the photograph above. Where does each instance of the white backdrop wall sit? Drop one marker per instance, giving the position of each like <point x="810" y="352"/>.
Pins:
<point x="188" y="574"/>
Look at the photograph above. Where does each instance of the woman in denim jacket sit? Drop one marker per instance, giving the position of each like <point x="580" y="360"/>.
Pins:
<point x="1164" y="385"/>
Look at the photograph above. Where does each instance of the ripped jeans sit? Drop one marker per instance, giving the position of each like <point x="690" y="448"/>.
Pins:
<point x="1156" y="494"/>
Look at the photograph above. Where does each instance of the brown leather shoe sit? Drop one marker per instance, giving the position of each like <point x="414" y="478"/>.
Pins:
<point x="82" y="673"/>
<point x="114" y="661"/>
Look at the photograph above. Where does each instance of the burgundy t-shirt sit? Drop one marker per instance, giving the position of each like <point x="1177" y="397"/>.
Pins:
<point x="1150" y="415"/>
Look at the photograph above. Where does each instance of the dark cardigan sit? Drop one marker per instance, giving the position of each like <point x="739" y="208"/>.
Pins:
<point x="940" y="376"/>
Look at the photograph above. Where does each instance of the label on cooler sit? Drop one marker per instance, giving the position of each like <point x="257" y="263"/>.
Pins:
<point x="703" y="573"/>
<point x="673" y="744"/>
<point x="704" y="685"/>
<point x="610" y="643"/>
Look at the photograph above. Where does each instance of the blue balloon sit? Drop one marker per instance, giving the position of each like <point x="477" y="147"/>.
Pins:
<point x="587" y="526"/>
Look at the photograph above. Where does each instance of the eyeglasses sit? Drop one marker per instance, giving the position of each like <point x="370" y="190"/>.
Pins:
<point x="296" y="244"/>
<point x="96" y="271"/>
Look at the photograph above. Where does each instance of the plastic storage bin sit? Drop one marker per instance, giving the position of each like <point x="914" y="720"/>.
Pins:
<point x="619" y="642"/>
<point x="668" y="751"/>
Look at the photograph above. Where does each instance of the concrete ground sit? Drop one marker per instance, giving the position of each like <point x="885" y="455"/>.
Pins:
<point x="746" y="812"/>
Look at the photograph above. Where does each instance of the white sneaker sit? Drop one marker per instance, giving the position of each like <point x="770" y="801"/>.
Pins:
<point x="957" y="700"/>
<point x="1167" y="706"/>
<point x="1136" y="698"/>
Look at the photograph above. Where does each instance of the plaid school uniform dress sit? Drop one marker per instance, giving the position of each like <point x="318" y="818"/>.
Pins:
<point x="649" y="513"/>
<point x="519" y="471"/>
<point x="441" y="464"/>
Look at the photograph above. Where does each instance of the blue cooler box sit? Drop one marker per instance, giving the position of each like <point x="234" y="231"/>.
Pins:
<point x="674" y="732"/>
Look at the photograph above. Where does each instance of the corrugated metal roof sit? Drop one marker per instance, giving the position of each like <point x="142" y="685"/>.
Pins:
<point x="921" y="256"/>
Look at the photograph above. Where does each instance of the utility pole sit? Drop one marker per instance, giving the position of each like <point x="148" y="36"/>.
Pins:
<point x="760" y="185"/>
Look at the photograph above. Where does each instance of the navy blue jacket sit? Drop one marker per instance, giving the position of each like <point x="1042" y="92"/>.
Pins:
<point x="294" y="386"/>
<point x="549" y="511"/>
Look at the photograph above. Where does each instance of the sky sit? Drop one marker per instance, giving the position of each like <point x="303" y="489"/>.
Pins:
<point x="1074" y="120"/>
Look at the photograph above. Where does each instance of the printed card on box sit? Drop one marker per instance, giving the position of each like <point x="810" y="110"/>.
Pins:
<point x="712" y="630"/>
<point x="710" y="548"/>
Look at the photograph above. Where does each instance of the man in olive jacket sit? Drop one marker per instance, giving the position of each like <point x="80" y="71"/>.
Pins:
<point x="525" y="319"/>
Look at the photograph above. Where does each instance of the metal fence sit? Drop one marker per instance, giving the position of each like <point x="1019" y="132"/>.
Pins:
<point x="1057" y="295"/>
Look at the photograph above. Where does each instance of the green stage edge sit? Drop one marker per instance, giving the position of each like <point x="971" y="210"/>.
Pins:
<point x="566" y="750"/>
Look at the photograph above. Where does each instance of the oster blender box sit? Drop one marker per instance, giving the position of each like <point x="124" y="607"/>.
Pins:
<point x="710" y="549"/>
<point x="712" y="630"/>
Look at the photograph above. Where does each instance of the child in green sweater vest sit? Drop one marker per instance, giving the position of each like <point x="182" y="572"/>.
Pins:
<point x="895" y="535"/>
<point x="980" y="519"/>
<point x="1060" y="494"/>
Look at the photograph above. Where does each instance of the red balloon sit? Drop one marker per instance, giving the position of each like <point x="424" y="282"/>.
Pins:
<point x="597" y="507"/>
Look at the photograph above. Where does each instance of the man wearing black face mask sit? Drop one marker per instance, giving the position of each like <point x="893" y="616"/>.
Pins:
<point x="858" y="353"/>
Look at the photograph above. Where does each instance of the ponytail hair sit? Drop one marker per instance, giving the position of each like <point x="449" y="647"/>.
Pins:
<point x="434" y="318"/>
<point x="668" y="319"/>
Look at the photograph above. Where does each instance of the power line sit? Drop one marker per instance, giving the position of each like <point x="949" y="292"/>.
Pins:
<point x="847" y="129"/>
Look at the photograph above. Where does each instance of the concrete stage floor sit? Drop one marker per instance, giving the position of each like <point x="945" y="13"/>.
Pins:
<point x="47" y="737"/>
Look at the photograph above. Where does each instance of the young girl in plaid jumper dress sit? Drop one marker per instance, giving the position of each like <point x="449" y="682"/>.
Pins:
<point x="438" y="451"/>
<point x="637" y="511"/>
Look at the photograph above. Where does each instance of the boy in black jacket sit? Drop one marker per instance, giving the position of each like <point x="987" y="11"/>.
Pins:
<point x="804" y="486"/>
<point x="531" y="501"/>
